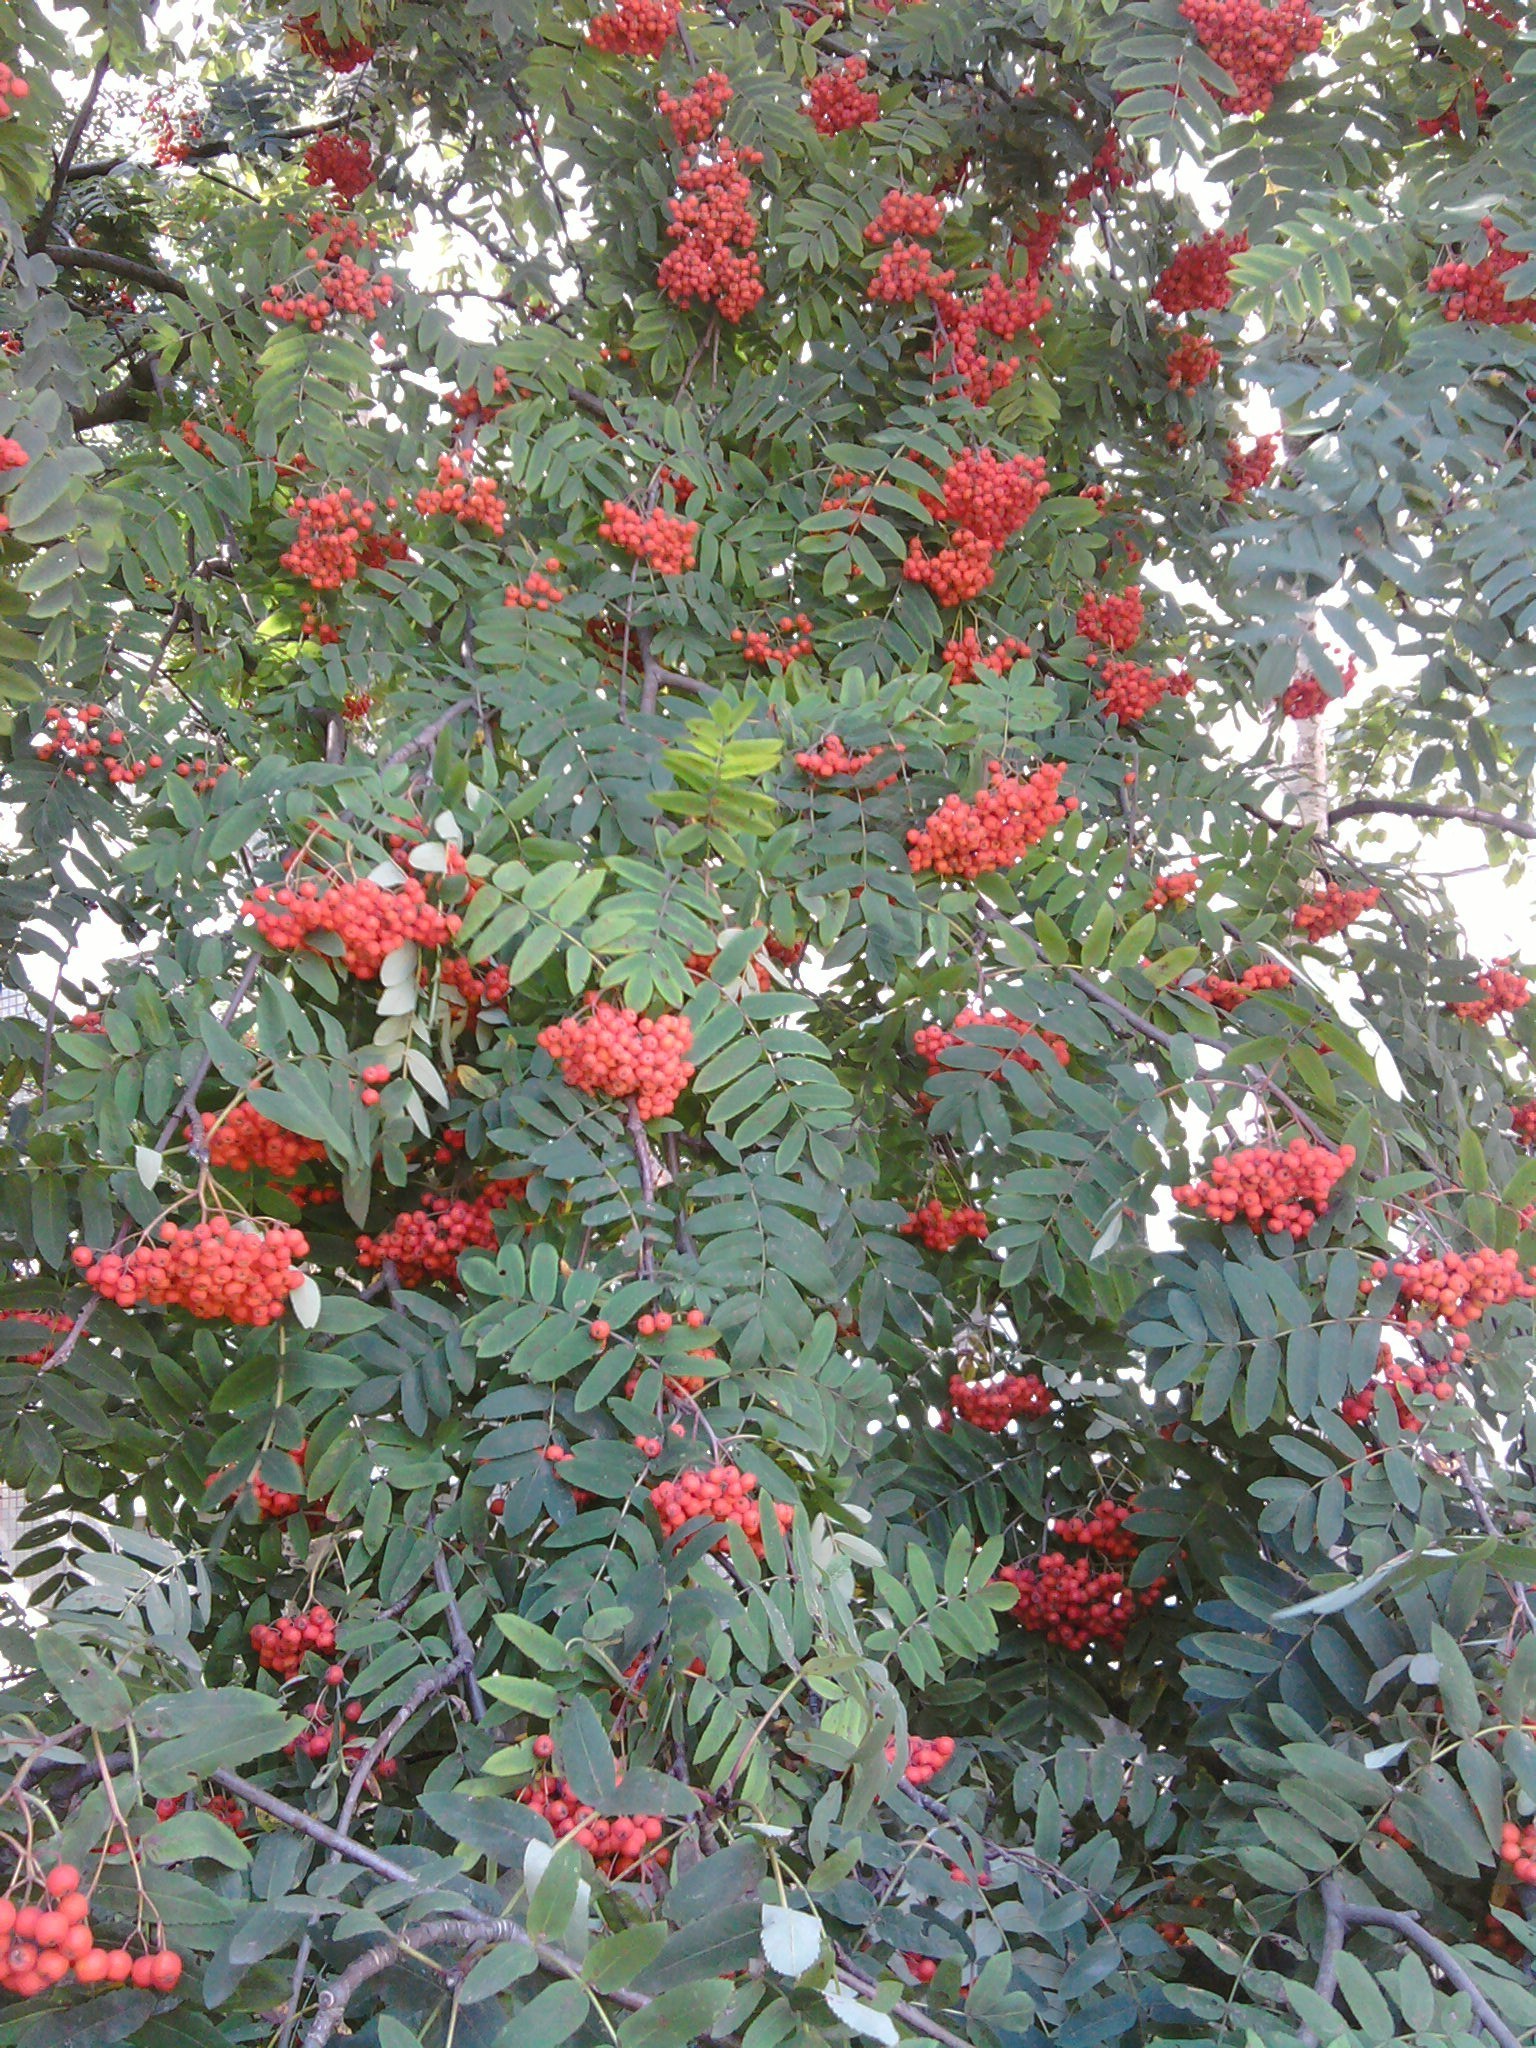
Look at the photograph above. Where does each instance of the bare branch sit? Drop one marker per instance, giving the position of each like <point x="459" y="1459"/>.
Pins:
<point x="458" y="1635"/>
<point x="1342" y="1915"/>
<point x="44" y="227"/>
<point x="69" y="258"/>
<point x="427" y="737"/>
<point x="1403" y="807"/>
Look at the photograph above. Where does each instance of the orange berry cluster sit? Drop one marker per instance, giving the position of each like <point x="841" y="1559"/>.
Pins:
<point x="176" y="130"/>
<point x="616" y="1052"/>
<point x="1517" y="1846"/>
<point x="989" y="497"/>
<point x="1002" y="310"/>
<point x="926" y="1756"/>
<point x="1173" y="888"/>
<point x="955" y="574"/>
<point x="964" y="656"/>
<point x="1453" y="1289"/>
<point x="1477" y="290"/>
<point x="626" y="1847"/>
<point x="55" y="1324"/>
<point x="1268" y="1189"/>
<point x="1128" y="690"/>
<point x="699" y="965"/>
<point x="906" y="273"/>
<point x="1255" y="45"/>
<point x="12" y="454"/>
<point x="831" y="758"/>
<point x="476" y="992"/>
<point x="1503" y="993"/>
<point x="347" y="55"/>
<point x="1249" y="469"/>
<point x="982" y="838"/>
<point x="1223" y="993"/>
<point x="371" y="921"/>
<point x="934" y="1040"/>
<point x="74" y="739"/>
<point x="274" y="1504"/>
<point x="838" y="100"/>
<point x="657" y="538"/>
<point x="1112" y="619"/>
<point x="1332" y="910"/>
<point x="45" y="1940"/>
<point x="344" y="162"/>
<point x="714" y="225"/>
<point x="1101" y="1528"/>
<point x="1075" y="1605"/>
<point x="1305" y="697"/>
<point x="218" y="1805"/>
<point x="1522" y="1121"/>
<point x="722" y="1494"/>
<point x="634" y="28"/>
<point x="696" y="116"/>
<point x="424" y="1244"/>
<point x="202" y="773"/>
<point x="471" y="501"/>
<point x="941" y="1229"/>
<point x="757" y="650"/>
<point x="905" y="213"/>
<point x="536" y="592"/>
<point x="471" y="408"/>
<point x="1192" y="361"/>
<point x="1449" y="123"/>
<point x="992" y="1404"/>
<point x="1198" y="279"/>
<point x="214" y="1270"/>
<point x="329" y="547"/>
<point x="342" y="285"/>
<point x="1400" y="1381"/>
<point x="12" y="87"/>
<point x="282" y="1646"/>
<point x="245" y="1141"/>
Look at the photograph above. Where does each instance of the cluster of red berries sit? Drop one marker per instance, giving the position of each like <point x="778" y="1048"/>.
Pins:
<point x="1269" y="1189"/>
<point x="536" y="592"/>
<point x="1174" y="888"/>
<point x="1449" y="122"/>
<point x="1452" y="1289"/>
<point x="626" y="1847"/>
<point x="341" y="286"/>
<point x="1075" y="1605"/>
<point x="344" y="162"/>
<point x="470" y="408"/>
<point x="759" y="651"/>
<point x="55" y="1324"/>
<point x="989" y="496"/>
<point x="634" y="28"/>
<point x="347" y="55"/>
<point x="905" y="274"/>
<point x="1249" y="469"/>
<point x="713" y="228"/>
<point x="282" y="1646"/>
<point x="218" y="1806"/>
<point x="934" y="1040"/>
<point x="214" y="1270"/>
<point x="657" y="1323"/>
<point x="12" y="454"/>
<point x="1112" y="619"/>
<point x="176" y="130"/>
<point x="1192" y="361"/>
<point x="1400" y="1381"/>
<point x="905" y="213"/>
<point x="992" y="1404"/>
<point x="424" y="1244"/>
<point x="1522" y="1122"/>
<point x="202" y="773"/>
<point x="954" y="574"/>
<point x="1305" y="697"/>
<point x="331" y="545"/>
<point x="273" y="1503"/>
<point x="370" y="920"/>
<point x="612" y="1051"/>
<point x="837" y="98"/>
<point x="76" y="740"/>
<point x="242" y="1140"/>
<point x="1002" y="310"/>
<point x="1255" y="45"/>
<point x="724" y="1493"/>
<point x="472" y="501"/>
<point x="941" y="1229"/>
<point x="1128" y="691"/>
<point x="926" y="1756"/>
<point x="1198" y="278"/>
<point x="476" y="992"/>
<point x="12" y="87"/>
<point x="43" y="1941"/>
<point x="1477" y="289"/>
<point x="1517" y="1846"/>
<point x="696" y="116"/>
<point x="982" y="838"/>
<point x="1503" y="993"/>
<point x="963" y="657"/>
<point x="831" y="758"/>
<point x="1334" y="909"/>
<point x="657" y="538"/>
<point x="1101" y="1528"/>
<point x="1223" y="993"/>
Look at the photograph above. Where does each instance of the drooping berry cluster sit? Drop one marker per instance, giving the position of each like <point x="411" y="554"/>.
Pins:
<point x="77" y="741"/>
<point x="1517" y="1846"/>
<point x="1002" y="310"/>
<point x="723" y="1493"/>
<point x="992" y="1404"/>
<point x="1222" y="993"/>
<point x="1477" y="289"/>
<point x="696" y="116"/>
<point x="837" y="98"/>
<point x="476" y="992"/>
<point x="1198" y="278"/>
<point x="470" y="409"/>
<point x="1269" y="1189"/>
<point x="44" y="1940"/>
<point x="1128" y="691"/>
<point x="423" y="1245"/>
<point x="1305" y="697"/>
<point x="43" y="1319"/>
<point x="611" y="1051"/>
<point x="926" y="1756"/>
<point x="1333" y="909"/>
<point x="370" y="920"/>
<point x="348" y="55"/>
<point x="657" y="538"/>
<point x="1503" y="994"/>
<point x="1255" y="45"/>
<point x="634" y="28"/>
<point x="1112" y="619"/>
<point x="1449" y="122"/>
<point x="1522" y="1121"/>
<point x="13" y="88"/>
<point x="282" y="1646"/>
<point x="1400" y="1381"/>
<point x="536" y="592"/>
<point x="342" y="285"/>
<point x="1192" y="361"/>
<point x="941" y="1229"/>
<point x="202" y="773"/>
<point x="955" y="574"/>
<point x="914" y="214"/>
<point x="934" y="1040"/>
<point x="988" y="495"/>
<point x="1007" y="818"/>
<point x="1101" y="1528"/>
<point x="12" y="454"/>
<point x="218" y="1805"/>
<point x="963" y="657"/>
<point x="216" y="1270"/>
<point x="1249" y="469"/>
<point x="1448" y="1288"/>
<point x="713" y="228"/>
<point x="331" y="545"/>
<point x="326" y="1733"/>
<point x="905" y="274"/>
<point x="657" y="1323"/>
<point x="626" y="1847"/>
<point x="242" y="1140"/>
<point x="1076" y="1605"/>
<point x="1174" y="888"/>
<point x="344" y="162"/>
<point x="831" y="758"/>
<point x="175" y="130"/>
<point x="759" y="651"/>
<point x="472" y="501"/>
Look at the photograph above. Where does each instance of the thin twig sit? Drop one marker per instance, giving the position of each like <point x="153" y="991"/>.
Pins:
<point x="1465" y="814"/>
<point x="420" y="741"/>
<point x="458" y="1635"/>
<point x="44" y="227"/>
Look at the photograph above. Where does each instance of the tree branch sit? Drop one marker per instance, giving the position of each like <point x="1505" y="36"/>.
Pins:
<point x="201" y="152"/>
<point x="1342" y="1915"/>
<point x="458" y="1635"/>
<point x="1404" y="807"/>
<point x="429" y="733"/>
<point x="67" y="257"/>
<point x="44" y="227"/>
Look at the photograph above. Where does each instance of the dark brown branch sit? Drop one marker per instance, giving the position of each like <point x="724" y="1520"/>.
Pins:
<point x="1342" y="1916"/>
<point x="426" y="1688"/>
<point x="202" y="152"/>
<point x="1404" y="807"/>
<point x="44" y="227"/>
<point x="128" y="400"/>
<point x="427" y="737"/>
<point x="458" y="1635"/>
<point x="68" y="257"/>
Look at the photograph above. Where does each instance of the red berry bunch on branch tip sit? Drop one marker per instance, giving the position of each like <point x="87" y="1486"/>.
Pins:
<point x="1174" y="888"/>
<point x="12" y="454"/>
<point x="1198" y="277"/>
<point x="907" y="274"/>
<point x="328" y="548"/>
<point x="344" y="162"/>
<point x="722" y="1494"/>
<point x="1448" y="1288"/>
<point x="472" y="501"/>
<point x="348" y="55"/>
<point x="1503" y="994"/>
<point x="700" y="964"/>
<point x="282" y="1646"/>
<point x="1334" y="909"/>
<point x="838" y="100"/>
<point x="242" y="1140"/>
<point x="215" y="1270"/>
<point x="1074" y="1605"/>
<point x="1268" y="1189"/>
<point x="175" y="130"/>
<point x="954" y="574"/>
<point x="1449" y="122"/>
<point x="1128" y="691"/>
<point x="982" y="838"/>
<point x="1112" y="619"/>
<point x="13" y="87"/>
<point x="934" y="1040"/>
<point x="1249" y="469"/>
<point x="424" y="1244"/>
<point x="992" y="1404"/>
<point x="370" y="920"/>
<point x="759" y="651"/>
<point x="926" y="1756"/>
<point x="1517" y="1846"/>
<point x="274" y="1504"/>
<point x="1522" y="1122"/>
<point x="914" y="214"/>
<point x="1192" y="361"/>
<point x="1255" y="45"/>
<point x="634" y="28"/>
<point x="77" y="741"/>
<point x="1477" y="290"/>
<point x="990" y="496"/>
<point x="941" y="1229"/>
<point x="1305" y="697"/>
<point x="1101" y="1528"/>
<point x="696" y="116"/>
<point x="1002" y="310"/>
<point x="536" y="592"/>
<point x="963" y="657"/>
<point x="475" y="992"/>
<point x="471" y="409"/>
<point x="622" y="1848"/>
<point x="1267" y="976"/>
<point x="831" y="758"/>
<point x="657" y="538"/>
<point x="56" y="1325"/>
<point x="342" y="286"/>
<point x="45" y="1939"/>
<point x="611" y="1051"/>
<point x="1400" y="1381"/>
<point x="218" y="1806"/>
<point x="713" y="228"/>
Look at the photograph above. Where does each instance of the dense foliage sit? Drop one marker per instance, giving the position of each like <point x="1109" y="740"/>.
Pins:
<point x="765" y="1282"/>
